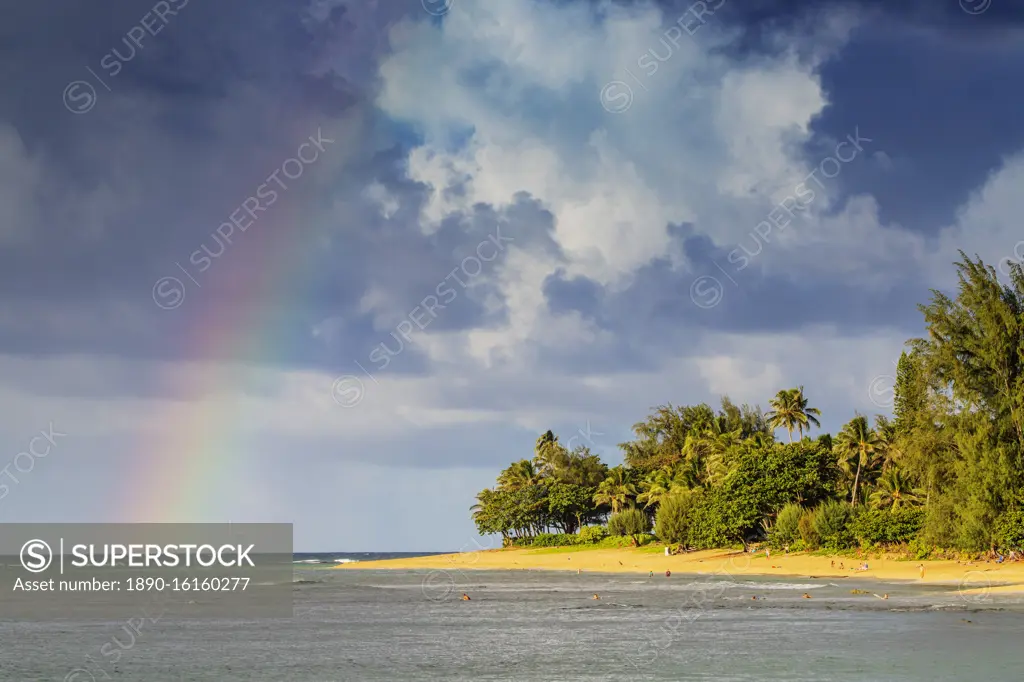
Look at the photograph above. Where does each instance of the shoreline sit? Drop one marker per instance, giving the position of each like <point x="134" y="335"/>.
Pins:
<point x="976" y="579"/>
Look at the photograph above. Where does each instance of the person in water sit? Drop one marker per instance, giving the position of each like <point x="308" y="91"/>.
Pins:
<point x="595" y="597"/>
<point x="668" y="574"/>
<point x="465" y="597"/>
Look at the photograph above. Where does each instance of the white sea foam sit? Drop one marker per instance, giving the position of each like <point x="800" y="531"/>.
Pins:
<point x="761" y="585"/>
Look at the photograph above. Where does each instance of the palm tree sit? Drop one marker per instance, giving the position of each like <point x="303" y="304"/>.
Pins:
<point x="705" y="450"/>
<point x="807" y="415"/>
<point x="546" y="438"/>
<point x="856" y="443"/>
<point x="659" y="484"/>
<point x="894" y="491"/>
<point x="888" y="447"/>
<point x="616" y="491"/>
<point x="790" y="412"/>
<point x="546" y="452"/>
<point x="519" y="474"/>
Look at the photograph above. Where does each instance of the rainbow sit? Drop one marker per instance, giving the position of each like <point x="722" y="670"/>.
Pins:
<point x="231" y="311"/>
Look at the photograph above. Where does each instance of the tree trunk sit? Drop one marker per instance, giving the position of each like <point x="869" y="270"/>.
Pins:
<point x="856" y="480"/>
<point x="790" y="435"/>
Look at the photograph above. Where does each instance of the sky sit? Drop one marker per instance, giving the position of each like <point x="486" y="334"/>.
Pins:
<point x="336" y="263"/>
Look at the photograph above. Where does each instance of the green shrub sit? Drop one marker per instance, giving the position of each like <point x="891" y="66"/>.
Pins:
<point x="921" y="549"/>
<point x="672" y="523"/>
<point x="631" y="522"/>
<point x="886" y="527"/>
<point x="554" y="540"/>
<point x="547" y="540"/>
<point x="590" y="535"/>
<point x="808" y="535"/>
<point x="832" y="524"/>
<point x="710" y="525"/>
<point x="786" y="530"/>
<point x="1009" y="530"/>
<point x="625" y="541"/>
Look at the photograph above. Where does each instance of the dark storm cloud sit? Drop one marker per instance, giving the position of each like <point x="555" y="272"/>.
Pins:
<point x="945" y="113"/>
<point x="195" y="120"/>
<point x="416" y="272"/>
<point x="967" y="18"/>
<point x="931" y="79"/>
<point x="656" y="315"/>
<point x="203" y="110"/>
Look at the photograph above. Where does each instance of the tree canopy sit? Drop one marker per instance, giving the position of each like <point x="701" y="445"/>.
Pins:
<point x="946" y="468"/>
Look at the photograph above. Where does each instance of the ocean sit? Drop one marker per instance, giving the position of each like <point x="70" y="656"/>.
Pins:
<point x="410" y="626"/>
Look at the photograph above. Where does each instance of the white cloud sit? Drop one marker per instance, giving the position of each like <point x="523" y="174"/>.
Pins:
<point x="988" y="225"/>
<point x="387" y="202"/>
<point x="856" y="246"/>
<point x="507" y="98"/>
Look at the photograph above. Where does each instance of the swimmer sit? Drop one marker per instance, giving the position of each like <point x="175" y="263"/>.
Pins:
<point x="595" y="597"/>
<point x="465" y="597"/>
<point x="668" y="574"/>
<point x="806" y="596"/>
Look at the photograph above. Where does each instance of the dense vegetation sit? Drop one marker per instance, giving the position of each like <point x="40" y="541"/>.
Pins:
<point x="944" y="470"/>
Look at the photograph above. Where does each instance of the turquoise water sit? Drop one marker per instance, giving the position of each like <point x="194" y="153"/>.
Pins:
<point x="411" y="626"/>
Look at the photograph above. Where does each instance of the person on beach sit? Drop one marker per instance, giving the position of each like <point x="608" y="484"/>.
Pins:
<point x="768" y="553"/>
<point x="921" y="568"/>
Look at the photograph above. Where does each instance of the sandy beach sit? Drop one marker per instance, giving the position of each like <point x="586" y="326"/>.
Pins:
<point x="971" y="578"/>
